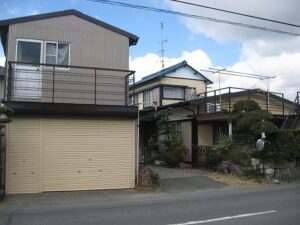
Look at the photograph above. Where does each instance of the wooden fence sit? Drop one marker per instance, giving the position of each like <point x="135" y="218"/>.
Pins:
<point x="204" y="156"/>
<point x="287" y="174"/>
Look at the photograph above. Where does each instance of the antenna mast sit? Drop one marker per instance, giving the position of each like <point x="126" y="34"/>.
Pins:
<point x="162" y="49"/>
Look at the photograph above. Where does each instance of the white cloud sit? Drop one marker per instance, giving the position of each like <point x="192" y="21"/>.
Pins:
<point x="262" y="52"/>
<point x="274" y="9"/>
<point x="150" y="63"/>
<point x="2" y="61"/>
<point x="285" y="67"/>
<point x="12" y="10"/>
<point x="33" y="12"/>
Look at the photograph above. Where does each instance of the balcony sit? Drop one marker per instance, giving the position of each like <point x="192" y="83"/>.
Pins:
<point x="48" y="83"/>
<point x="221" y="101"/>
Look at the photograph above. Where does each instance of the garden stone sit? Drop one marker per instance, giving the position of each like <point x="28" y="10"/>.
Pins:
<point x="236" y="169"/>
<point x="224" y="167"/>
<point x="185" y="165"/>
<point x="255" y="162"/>
<point x="160" y="163"/>
<point x="145" y="177"/>
<point x="269" y="173"/>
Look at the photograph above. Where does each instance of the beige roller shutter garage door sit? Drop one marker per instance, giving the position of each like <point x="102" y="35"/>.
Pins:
<point x="61" y="154"/>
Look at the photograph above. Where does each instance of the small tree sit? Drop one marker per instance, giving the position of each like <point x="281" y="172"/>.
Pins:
<point x="172" y="146"/>
<point x="175" y="150"/>
<point x="162" y="122"/>
<point x="249" y="119"/>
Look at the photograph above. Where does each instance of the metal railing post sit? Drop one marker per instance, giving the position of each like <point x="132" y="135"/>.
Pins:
<point x="205" y="103"/>
<point x="53" y="83"/>
<point x="282" y="100"/>
<point x="298" y="101"/>
<point x="267" y="100"/>
<point x="215" y="107"/>
<point x="229" y="99"/>
<point x="126" y="91"/>
<point x="9" y="86"/>
<point x="95" y="80"/>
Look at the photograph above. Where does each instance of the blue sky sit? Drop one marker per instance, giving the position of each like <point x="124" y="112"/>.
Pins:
<point x="203" y="44"/>
<point x="144" y="24"/>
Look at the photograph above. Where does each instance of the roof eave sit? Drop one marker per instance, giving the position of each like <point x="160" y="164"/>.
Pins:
<point x="133" y="39"/>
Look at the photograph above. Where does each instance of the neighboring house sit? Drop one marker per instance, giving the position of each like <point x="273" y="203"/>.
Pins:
<point x="174" y="85"/>
<point x="203" y="120"/>
<point x="2" y="76"/>
<point x="68" y="82"/>
<point x="177" y="83"/>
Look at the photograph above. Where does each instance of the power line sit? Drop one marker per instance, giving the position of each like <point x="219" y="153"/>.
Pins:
<point x="237" y="13"/>
<point x="153" y="9"/>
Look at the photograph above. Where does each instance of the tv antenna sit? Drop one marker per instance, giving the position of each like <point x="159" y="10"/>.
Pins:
<point x="162" y="47"/>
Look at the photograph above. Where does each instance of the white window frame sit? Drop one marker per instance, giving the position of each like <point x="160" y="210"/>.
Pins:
<point x="172" y="87"/>
<point x="150" y="102"/>
<point x="29" y="40"/>
<point x="59" y="67"/>
<point x="24" y="66"/>
<point x="133" y="99"/>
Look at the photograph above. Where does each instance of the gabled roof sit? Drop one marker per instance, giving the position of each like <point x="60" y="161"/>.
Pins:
<point x="133" y="39"/>
<point x="171" y="69"/>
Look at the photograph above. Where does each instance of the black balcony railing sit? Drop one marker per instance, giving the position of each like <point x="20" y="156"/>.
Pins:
<point x="222" y="100"/>
<point x="30" y="82"/>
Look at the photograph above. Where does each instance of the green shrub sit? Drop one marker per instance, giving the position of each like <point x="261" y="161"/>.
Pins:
<point x="175" y="150"/>
<point x="239" y="157"/>
<point x="226" y="150"/>
<point x="284" y="146"/>
<point x="224" y="147"/>
<point x="248" y="118"/>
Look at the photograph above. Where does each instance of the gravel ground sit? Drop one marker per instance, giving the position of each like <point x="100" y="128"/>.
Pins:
<point x="166" y="173"/>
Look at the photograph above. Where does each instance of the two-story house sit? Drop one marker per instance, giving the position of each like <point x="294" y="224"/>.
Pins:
<point x="67" y="79"/>
<point x="177" y="83"/>
<point x="172" y="86"/>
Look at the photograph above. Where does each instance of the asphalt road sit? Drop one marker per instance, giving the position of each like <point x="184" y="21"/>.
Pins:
<point x="276" y="204"/>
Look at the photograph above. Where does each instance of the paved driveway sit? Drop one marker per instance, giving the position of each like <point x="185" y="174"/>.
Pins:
<point x="184" y="180"/>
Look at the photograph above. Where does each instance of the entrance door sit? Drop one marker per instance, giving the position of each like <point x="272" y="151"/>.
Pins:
<point x="27" y="80"/>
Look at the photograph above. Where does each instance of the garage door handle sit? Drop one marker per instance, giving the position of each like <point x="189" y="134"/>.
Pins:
<point x="79" y="171"/>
